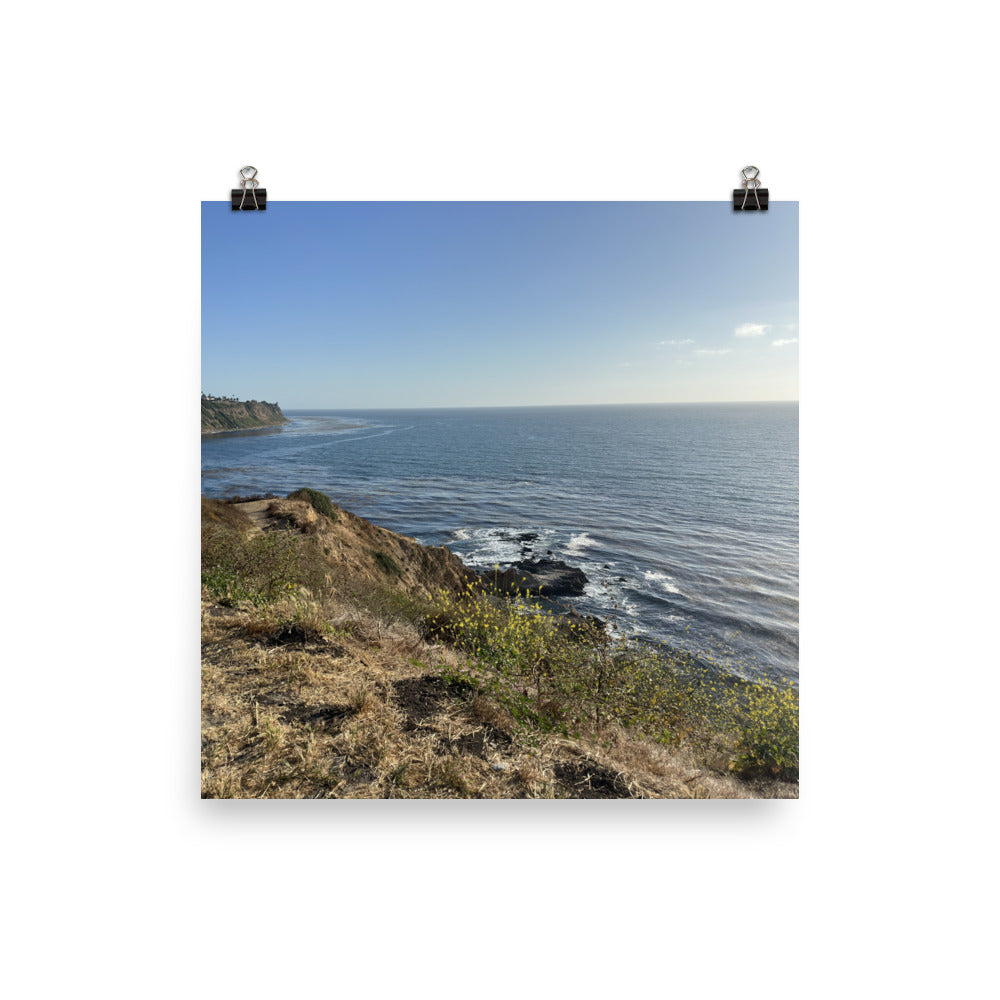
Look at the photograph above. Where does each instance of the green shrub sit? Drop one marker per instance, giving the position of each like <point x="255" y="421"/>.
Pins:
<point x="386" y="563"/>
<point x="769" y="732"/>
<point x="238" y="566"/>
<point x="550" y="674"/>
<point x="227" y="586"/>
<point x="320" y="502"/>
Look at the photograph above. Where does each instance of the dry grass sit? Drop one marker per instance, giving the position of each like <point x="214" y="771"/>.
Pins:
<point x="218" y="512"/>
<point x="348" y="711"/>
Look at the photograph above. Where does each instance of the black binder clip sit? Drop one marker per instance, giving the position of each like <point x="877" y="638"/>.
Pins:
<point x="751" y="183"/>
<point x="257" y="200"/>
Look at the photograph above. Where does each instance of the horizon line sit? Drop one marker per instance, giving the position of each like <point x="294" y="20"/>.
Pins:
<point x="540" y="406"/>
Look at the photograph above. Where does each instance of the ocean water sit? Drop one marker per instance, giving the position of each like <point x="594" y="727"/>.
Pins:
<point x="683" y="517"/>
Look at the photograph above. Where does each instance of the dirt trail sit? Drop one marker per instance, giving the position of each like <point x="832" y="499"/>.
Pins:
<point x="256" y="510"/>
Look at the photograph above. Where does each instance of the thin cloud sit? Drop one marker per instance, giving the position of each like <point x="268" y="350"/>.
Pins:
<point x="752" y="330"/>
<point x="705" y="350"/>
<point x="781" y="343"/>
<point x="673" y="343"/>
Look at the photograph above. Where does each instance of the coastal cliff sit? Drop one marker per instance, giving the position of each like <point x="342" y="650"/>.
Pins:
<point x="349" y="548"/>
<point x="343" y="660"/>
<point x="218" y="415"/>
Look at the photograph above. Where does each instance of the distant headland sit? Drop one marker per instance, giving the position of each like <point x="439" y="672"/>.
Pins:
<point x="226" y="413"/>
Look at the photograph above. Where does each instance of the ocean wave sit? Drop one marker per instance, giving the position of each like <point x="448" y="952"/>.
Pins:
<point x="609" y="592"/>
<point x="485" y="547"/>
<point x="664" y="581"/>
<point x="577" y="544"/>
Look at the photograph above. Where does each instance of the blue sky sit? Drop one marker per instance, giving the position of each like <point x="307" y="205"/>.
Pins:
<point x="350" y="305"/>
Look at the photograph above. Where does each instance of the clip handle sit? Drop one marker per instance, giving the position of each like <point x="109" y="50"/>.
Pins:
<point x="751" y="182"/>
<point x="258" y="195"/>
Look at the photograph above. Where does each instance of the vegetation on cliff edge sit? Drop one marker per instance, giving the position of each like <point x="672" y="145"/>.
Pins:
<point x="322" y="678"/>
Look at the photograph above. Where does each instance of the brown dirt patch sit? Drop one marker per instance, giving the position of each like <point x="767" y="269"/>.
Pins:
<point x="421" y="697"/>
<point x="482" y="742"/>
<point x="315" y="716"/>
<point x="296" y="634"/>
<point x="586" y="779"/>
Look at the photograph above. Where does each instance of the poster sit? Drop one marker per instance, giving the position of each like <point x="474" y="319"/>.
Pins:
<point x="500" y="499"/>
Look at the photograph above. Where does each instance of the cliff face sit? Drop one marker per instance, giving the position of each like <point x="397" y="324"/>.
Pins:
<point x="234" y="415"/>
<point x="362" y="550"/>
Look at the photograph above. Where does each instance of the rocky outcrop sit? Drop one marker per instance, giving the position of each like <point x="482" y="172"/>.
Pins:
<point x="377" y="554"/>
<point x="218" y="415"/>
<point x="552" y="577"/>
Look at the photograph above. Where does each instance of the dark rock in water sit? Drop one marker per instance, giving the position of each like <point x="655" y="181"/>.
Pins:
<point x="552" y="577"/>
<point x="523" y="536"/>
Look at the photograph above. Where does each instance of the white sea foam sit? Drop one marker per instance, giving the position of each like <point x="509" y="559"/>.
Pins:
<point x="486" y="547"/>
<point x="610" y="591"/>
<point x="577" y="543"/>
<point x="492" y="552"/>
<point x="663" y="580"/>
